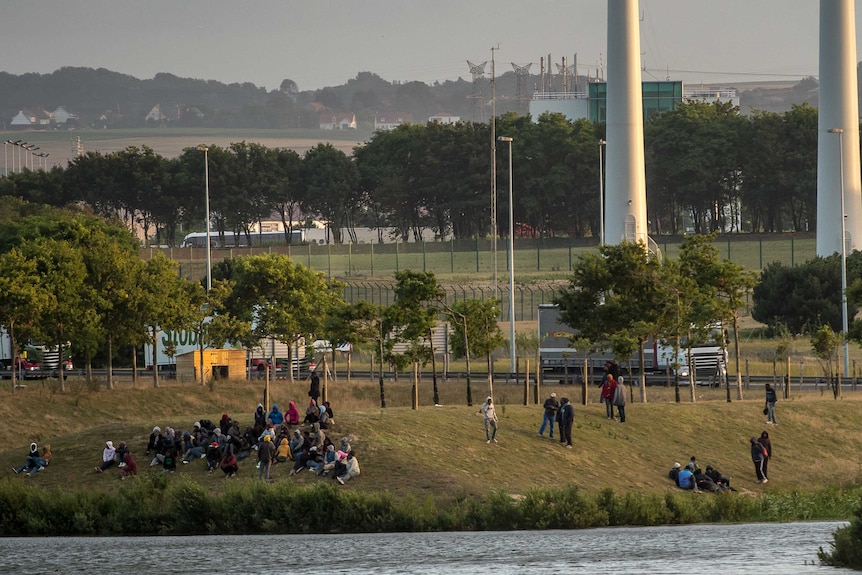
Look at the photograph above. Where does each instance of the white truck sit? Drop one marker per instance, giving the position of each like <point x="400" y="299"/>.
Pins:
<point x="558" y="354"/>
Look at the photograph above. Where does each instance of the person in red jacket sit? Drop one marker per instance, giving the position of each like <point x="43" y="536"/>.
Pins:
<point x="130" y="467"/>
<point x="608" y="388"/>
<point x="292" y="414"/>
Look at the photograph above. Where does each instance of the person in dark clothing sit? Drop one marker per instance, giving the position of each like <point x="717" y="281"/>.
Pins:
<point x="674" y="472"/>
<point x="265" y="455"/>
<point x="314" y="389"/>
<point x="567" y="418"/>
<point x="550" y="416"/>
<point x="767" y="452"/>
<point x="154" y="444"/>
<point x="213" y="456"/>
<point x="771" y="399"/>
<point x="704" y="482"/>
<point x="718" y="478"/>
<point x="757" y="459"/>
<point x="229" y="464"/>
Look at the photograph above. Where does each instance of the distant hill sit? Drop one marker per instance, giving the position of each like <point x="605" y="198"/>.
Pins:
<point x="106" y="99"/>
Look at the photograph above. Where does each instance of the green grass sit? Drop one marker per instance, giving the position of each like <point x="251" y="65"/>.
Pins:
<point x="440" y="451"/>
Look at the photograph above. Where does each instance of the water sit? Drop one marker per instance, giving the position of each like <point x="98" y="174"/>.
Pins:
<point x="770" y="548"/>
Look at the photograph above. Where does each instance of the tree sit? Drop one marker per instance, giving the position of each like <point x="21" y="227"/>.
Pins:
<point x="825" y="344"/>
<point x="617" y="292"/>
<point x="330" y="179"/>
<point x="280" y="299"/>
<point x="476" y="333"/>
<point x="21" y="298"/>
<point x="414" y="314"/>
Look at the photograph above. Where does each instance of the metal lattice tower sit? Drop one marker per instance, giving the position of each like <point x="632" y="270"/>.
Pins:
<point x="522" y="76"/>
<point x="477" y="94"/>
<point x="568" y="74"/>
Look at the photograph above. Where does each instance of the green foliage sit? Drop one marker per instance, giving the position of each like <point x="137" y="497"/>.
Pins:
<point x="846" y="548"/>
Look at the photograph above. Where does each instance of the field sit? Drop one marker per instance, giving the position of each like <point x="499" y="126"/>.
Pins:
<point x="441" y="451"/>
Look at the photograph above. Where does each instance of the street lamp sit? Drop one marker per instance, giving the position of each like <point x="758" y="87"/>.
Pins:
<point x="512" y="355"/>
<point x="206" y="151"/>
<point x="844" y="327"/>
<point x="601" y="194"/>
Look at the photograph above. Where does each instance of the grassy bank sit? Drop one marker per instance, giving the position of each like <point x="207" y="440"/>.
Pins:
<point x="437" y="456"/>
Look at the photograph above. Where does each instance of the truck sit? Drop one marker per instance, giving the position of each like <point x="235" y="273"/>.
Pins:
<point x="558" y="354"/>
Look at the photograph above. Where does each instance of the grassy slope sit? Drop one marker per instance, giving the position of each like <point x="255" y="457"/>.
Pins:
<point x="441" y="451"/>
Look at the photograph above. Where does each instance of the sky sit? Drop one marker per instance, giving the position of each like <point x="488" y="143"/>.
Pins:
<point x="327" y="42"/>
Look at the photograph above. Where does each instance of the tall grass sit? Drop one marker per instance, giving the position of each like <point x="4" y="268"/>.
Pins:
<point x="160" y="504"/>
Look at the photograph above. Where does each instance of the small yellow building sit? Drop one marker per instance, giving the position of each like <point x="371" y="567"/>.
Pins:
<point x="218" y="364"/>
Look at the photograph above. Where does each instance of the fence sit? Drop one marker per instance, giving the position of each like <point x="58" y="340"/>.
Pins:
<point x="467" y="266"/>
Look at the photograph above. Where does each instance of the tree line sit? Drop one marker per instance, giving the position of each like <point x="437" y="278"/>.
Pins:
<point x="69" y="276"/>
<point x="707" y="167"/>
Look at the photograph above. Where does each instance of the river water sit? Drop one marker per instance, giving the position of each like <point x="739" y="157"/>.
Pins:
<point x="768" y="548"/>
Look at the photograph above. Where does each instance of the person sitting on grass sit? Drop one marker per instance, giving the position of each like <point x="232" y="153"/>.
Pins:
<point x="301" y="458"/>
<point x="297" y="443"/>
<point x="674" y="471"/>
<point x="155" y="442"/>
<point x="40" y="463"/>
<point x="130" y="467"/>
<point x="292" y="414"/>
<point x="718" y="478"/>
<point x="329" y="459"/>
<point x="312" y="412"/>
<point x="704" y="482"/>
<point x="351" y="470"/>
<point x="317" y="437"/>
<point x="282" y="453"/>
<point x="229" y="464"/>
<point x="109" y="457"/>
<point x="213" y="456"/>
<point x="29" y="463"/>
<point x="685" y="479"/>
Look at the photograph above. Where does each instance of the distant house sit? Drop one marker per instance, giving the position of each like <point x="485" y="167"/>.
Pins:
<point x="62" y="117"/>
<point x="156" y="115"/>
<point x="337" y="121"/>
<point x="390" y="120"/>
<point x="31" y="119"/>
<point x="444" y="118"/>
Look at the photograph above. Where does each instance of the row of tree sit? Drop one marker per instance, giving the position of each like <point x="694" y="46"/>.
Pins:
<point x="69" y="277"/>
<point x="708" y="169"/>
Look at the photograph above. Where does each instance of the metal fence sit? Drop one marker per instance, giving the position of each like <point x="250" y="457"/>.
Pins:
<point x="468" y="267"/>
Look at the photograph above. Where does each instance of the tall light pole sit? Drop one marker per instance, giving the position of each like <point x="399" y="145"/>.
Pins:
<point x="512" y="353"/>
<point x="844" y="326"/>
<point x="206" y="151"/>
<point x="601" y="193"/>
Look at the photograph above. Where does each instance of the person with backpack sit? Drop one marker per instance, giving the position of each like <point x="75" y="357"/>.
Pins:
<point x="551" y="406"/>
<point x="567" y="418"/>
<point x="771" y="399"/>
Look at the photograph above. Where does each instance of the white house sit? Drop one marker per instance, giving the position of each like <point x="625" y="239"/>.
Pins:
<point x="31" y="119"/>
<point x="444" y="118"/>
<point x="337" y="121"/>
<point x="61" y="116"/>
<point x="389" y="120"/>
<point x="156" y="115"/>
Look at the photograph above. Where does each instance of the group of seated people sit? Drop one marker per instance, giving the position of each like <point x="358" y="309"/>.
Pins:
<point x="223" y="445"/>
<point x="693" y="477"/>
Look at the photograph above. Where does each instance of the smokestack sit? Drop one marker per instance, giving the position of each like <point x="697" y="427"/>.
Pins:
<point x="838" y="109"/>
<point x="625" y="195"/>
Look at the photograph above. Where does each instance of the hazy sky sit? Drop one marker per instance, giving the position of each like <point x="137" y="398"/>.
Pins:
<point x="321" y="43"/>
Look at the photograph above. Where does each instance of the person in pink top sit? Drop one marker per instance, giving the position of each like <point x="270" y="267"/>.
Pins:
<point x="292" y="414"/>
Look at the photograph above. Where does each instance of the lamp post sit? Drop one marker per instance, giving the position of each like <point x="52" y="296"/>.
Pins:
<point x="601" y="194"/>
<point x="206" y="151"/>
<point x="512" y="354"/>
<point x="844" y="326"/>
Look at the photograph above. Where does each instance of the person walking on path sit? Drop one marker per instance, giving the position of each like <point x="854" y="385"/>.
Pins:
<point x="757" y="457"/>
<point x="771" y="399"/>
<point x="767" y="452"/>
<point x="608" y="388"/>
<point x="551" y="406"/>
<point x="490" y="414"/>
<point x="620" y="399"/>
<point x="567" y="418"/>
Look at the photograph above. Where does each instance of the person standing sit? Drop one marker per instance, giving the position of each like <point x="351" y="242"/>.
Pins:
<point x="608" y="388"/>
<point x="620" y="399"/>
<point x="551" y="406"/>
<point x="771" y="399"/>
<point x="490" y="414"/>
<point x="767" y="452"/>
<point x="567" y="418"/>
<point x="264" y="457"/>
<point x="314" y="388"/>
<point x="757" y="458"/>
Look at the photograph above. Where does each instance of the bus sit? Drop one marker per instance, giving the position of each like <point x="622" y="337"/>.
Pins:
<point x="199" y="239"/>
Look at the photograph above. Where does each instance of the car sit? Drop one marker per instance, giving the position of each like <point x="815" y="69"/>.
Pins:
<point x="23" y="364"/>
